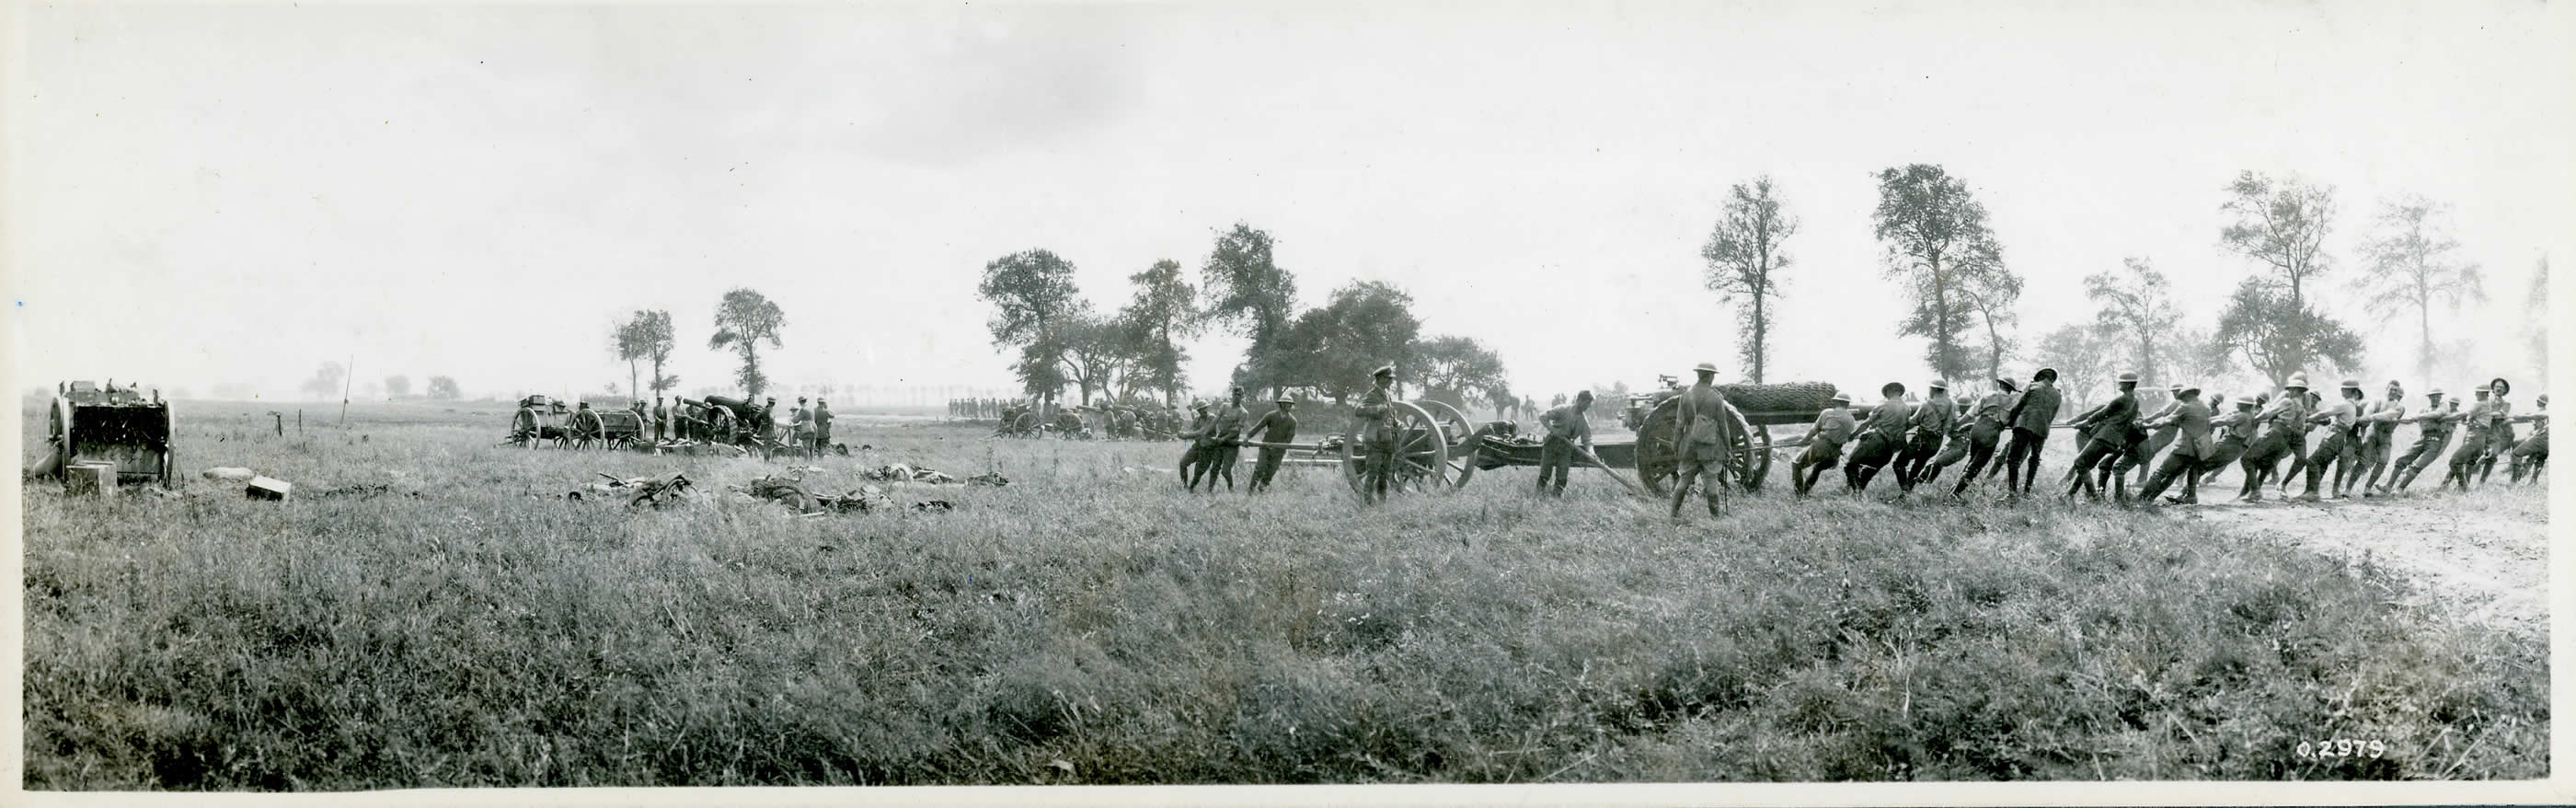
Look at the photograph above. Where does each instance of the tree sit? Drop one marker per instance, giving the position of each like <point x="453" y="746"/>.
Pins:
<point x="2269" y="321"/>
<point x="646" y="338"/>
<point x="1033" y="299"/>
<point x="2409" y="268"/>
<point x="2281" y="223"/>
<point x="1992" y="295"/>
<point x="1163" y="314"/>
<point x="1744" y="256"/>
<point x="2276" y="336"/>
<point x="2080" y="353"/>
<point x="1093" y="351"/>
<point x="1935" y="236"/>
<point x="743" y="320"/>
<point x="1458" y="370"/>
<point x="397" y="386"/>
<point x="326" y="381"/>
<point x="444" y="388"/>
<point x="2136" y="313"/>
<point x="1249" y="294"/>
<point x="1332" y="349"/>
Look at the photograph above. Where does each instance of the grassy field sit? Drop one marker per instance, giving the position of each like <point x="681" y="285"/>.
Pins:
<point x="1091" y="623"/>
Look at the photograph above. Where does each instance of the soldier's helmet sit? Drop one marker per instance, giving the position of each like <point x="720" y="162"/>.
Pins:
<point x="2128" y="377"/>
<point x="1704" y="367"/>
<point x="2044" y="375"/>
<point x="2501" y="386"/>
<point x="1892" y="389"/>
<point x="1840" y="398"/>
<point x="2244" y="400"/>
<point x="2434" y="393"/>
<point x="1940" y="385"/>
<point x="2543" y="400"/>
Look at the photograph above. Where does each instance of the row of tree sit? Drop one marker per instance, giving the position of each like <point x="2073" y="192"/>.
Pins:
<point x="330" y="380"/>
<point x="744" y="319"/>
<point x="1325" y="351"/>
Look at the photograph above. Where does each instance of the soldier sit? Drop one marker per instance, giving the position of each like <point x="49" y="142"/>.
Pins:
<point x="2142" y="457"/>
<point x="2106" y="429"/>
<point x="1879" y="438"/>
<point x="2474" y="431"/>
<point x="2235" y="430"/>
<point x="2190" y="433"/>
<point x="661" y="420"/>
<point x="2297" y="440"/>
<point x="2433" y="431"/>
<point x="1376" y="432"/>
<point x="822" y="427"/>
<point x="1194" y="453"/>
<point x="2532" y="454"/>
<point x="2500" y="437"/>
<point x="2033" y="413"/>
<point x="1275" y="427"/>
<point x="2275" y="434"/>
<point x="1927" y="427"/>
<point x="2341" y="448"/>
<point x="1224" y="439"/>
<point x="1977" y="435"/>
<point x="800" y="425"/>
<point x="1824" y="443"/>
<point x="1706" y="434"/>
<point x="764" y="421"/>
<point x="1566" y="426"/>
<point x="2379" y="422"/>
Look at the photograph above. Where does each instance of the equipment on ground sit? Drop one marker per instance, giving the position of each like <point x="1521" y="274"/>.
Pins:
<point x="108" y="424"/>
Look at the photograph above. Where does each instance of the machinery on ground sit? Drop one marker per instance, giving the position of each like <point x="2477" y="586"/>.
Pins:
<point x="120" y="426"/>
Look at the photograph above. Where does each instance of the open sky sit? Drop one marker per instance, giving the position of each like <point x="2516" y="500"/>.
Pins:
<point x="207" y="195"/>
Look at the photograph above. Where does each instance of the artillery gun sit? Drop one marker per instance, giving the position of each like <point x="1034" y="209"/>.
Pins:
<point x="117" y="426"/>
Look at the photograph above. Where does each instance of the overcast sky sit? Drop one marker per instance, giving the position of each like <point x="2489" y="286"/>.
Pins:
<point x="201" y="195"/>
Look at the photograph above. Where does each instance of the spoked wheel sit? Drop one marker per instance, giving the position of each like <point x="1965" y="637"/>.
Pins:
<point x="1659" y="450"/>
<point x="1421" y="458"/>
<point x="1461" y="439"/>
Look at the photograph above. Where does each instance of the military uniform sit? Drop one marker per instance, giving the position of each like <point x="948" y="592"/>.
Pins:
<point x="2107" y="433"/>
<point x="2532" y="454"/>
<point x="1927" y="427"/>
<point x="1377" y="434"/>
<point x="1706" y="435"/>
<point x="1984" y="429"/>
<point x="2191" y="430"/>
<point x="661" y="420"/>
<point x="822" y="427"/>
<point x="1824" y="444"/>
<point x="2341" y="447"/>
<point x="1566" y="427"/>
<point x="2432" y="432"/>
<point x="2276" y="429"/>
<point x="2033" y="414"/>
<point x="2475" y="431"/>
<point x="1194" y="455"/>
<point x="1879" y="438"/>
<point x="2142" y="456"/>
<point x="1223" y="441"/>
<point x="2235" y="429"/>
<point x="2379" y="435"/>
<point x="1275" y="426"/>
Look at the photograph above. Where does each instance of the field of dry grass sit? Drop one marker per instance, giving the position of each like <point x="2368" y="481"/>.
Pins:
<point x="1091" y="623"/>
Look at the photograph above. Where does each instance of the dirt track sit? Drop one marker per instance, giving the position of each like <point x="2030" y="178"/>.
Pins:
<point x="2481" y="556"/>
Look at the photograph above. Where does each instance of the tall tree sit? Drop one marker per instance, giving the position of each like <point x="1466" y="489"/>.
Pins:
<point x="2410" y="267"/>
<point x="1163" y="314"/>
<point x="444" y="388"/>
<point x="1333" y="348"/>
<point x="2269" y="321"/>
<point x="2135" y="310"/>
<point x="646" y="338"/>
<point x="743" y="319"/>
<point x="1994" y="296"/>
<point x="1935" y="238"/>
<point x="1459" y="370"/>
<point x="2080" y="354"/>
<point x="1744" y="256"/>
<point x="1249" y="294"/>
<point x="1093" y="348"/>
<point x="1033" y="299"/>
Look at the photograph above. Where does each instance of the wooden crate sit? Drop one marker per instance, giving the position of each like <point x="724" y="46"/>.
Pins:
<point x="90" y="478"/>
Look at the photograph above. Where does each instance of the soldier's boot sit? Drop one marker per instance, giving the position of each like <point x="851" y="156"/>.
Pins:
<point x="2515" y="473"/>
<point x="2120" y="488"/>
<point x="2486" y="469"/>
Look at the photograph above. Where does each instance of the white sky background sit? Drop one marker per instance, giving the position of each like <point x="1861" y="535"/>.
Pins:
<point x="207" y="194"/>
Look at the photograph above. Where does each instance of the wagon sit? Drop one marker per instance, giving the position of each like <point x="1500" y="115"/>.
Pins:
<point x="1656" y="453"/>
<point x="112" y="425"/>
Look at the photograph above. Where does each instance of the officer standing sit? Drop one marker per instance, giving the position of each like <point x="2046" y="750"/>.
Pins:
<point x="1566" y="427"/>
<point x="1376" y="432"/>
<point x="822" y="427"/>
<point x="1706" y="434"/>
<point x="661" y="420"/>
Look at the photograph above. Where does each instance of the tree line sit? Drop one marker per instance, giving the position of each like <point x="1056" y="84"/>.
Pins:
<point x="1324" y="351"/>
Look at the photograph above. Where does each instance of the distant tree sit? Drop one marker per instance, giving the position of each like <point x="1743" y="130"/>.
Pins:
<point x="1936" y="240"/>
<point x="743" y="320"/>
<point x="444" y="388"/>
<point x="2081" y="355"/>
<point x="1744" y="258"/>
<point x="397" y="386"/>
<point x="1332" y="349"/>
<point x="2135" y="310"/>
<point x="1093" y="348"/>
<point x="647" y="338"/>
<point x="1162" y="315"/>
<point x="2277" y="337"/>
<point x="325" y="383"/>
<point x="2269" y="321"/>
<point x="1993" y="296"/>
<point x="1248" y="293"/>
<point x="1458" y="370"/>
<point x="2410" y="267"/>
<point x="1034" y="301"/>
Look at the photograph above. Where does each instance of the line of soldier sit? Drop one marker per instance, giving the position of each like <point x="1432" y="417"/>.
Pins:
<point x="2117" y="437"/>
<point x="695" y="420"/>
